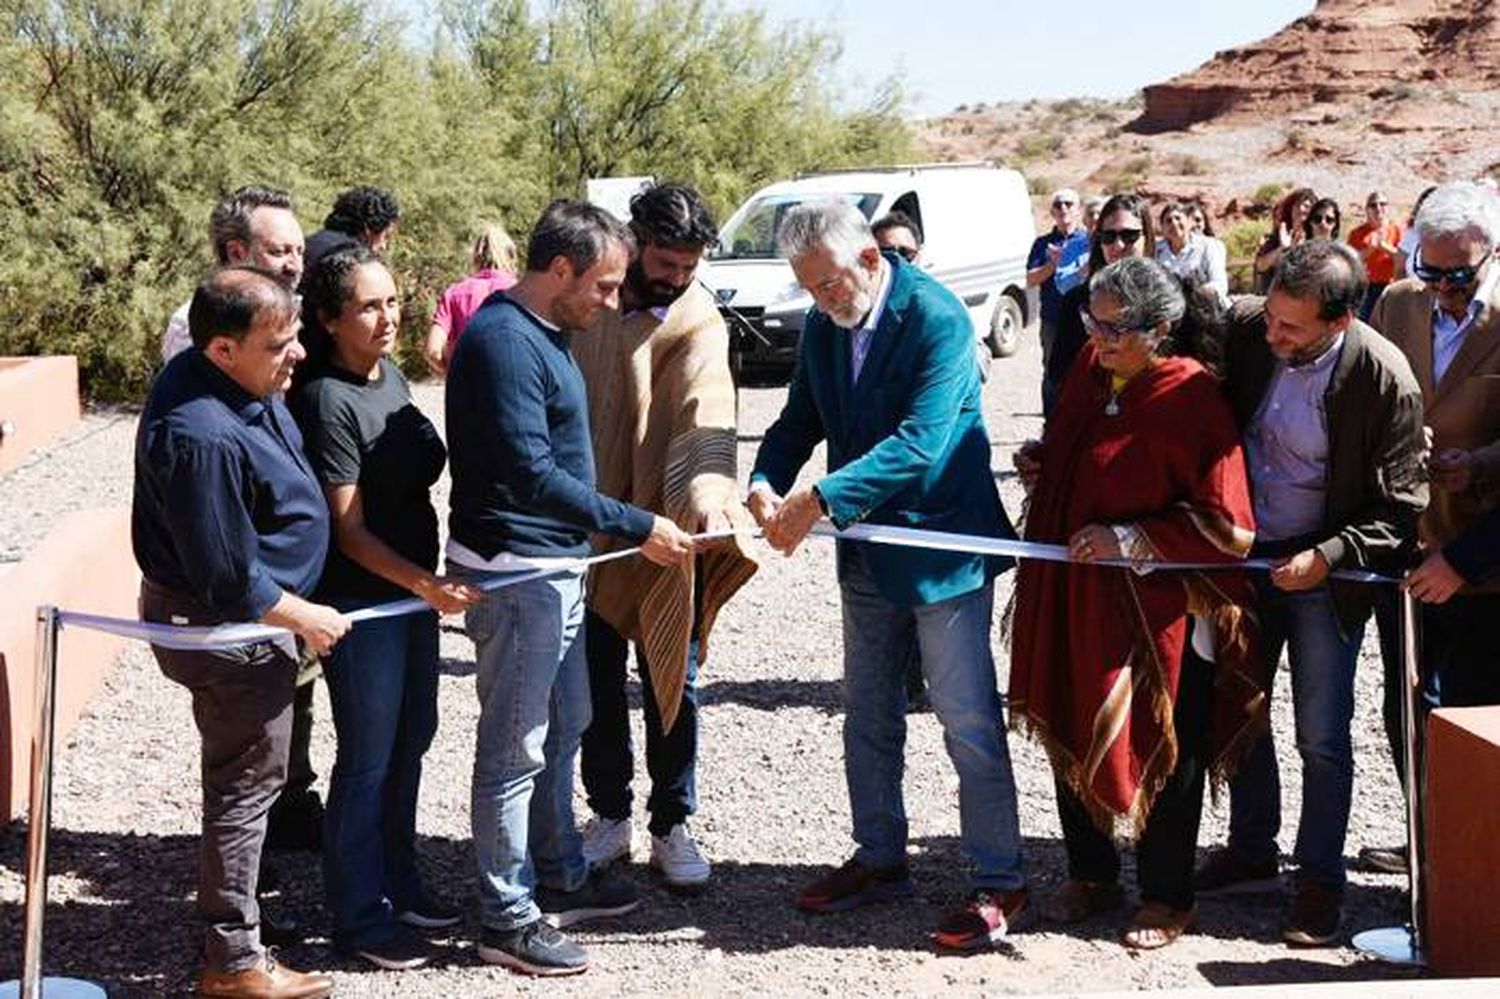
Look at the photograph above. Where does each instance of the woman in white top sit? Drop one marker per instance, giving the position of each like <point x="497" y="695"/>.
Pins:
<point x="1192" y="256"/>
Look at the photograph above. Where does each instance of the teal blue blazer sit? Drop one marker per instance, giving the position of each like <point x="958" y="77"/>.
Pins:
<point x="907" y="445"/>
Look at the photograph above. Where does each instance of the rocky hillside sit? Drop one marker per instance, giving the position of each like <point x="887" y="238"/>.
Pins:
<point x="1356" y="96"/>
<point x="1344" y="51"/>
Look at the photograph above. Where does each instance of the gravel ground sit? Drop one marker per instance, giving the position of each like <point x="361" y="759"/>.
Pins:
<point x="773" y="811"/>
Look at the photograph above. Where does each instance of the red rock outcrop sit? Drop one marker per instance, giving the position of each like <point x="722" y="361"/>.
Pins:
<point x="1344" y="49"/>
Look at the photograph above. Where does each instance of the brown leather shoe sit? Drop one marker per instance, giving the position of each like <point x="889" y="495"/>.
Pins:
<point x="270" y="981"/>
<point x="1156" y="925"/>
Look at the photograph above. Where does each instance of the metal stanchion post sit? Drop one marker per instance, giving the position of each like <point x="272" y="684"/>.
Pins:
<point x="39" y="817"/>
<point x="1407" y="944"/>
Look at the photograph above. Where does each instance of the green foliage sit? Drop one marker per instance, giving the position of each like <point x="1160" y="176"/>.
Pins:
<point x="1128" y="176"/>
<point x="1038" y="146"/>
<point x="1267" y="195"/>
<point x="123" y="121"/>
<point x="1242" y="241"/>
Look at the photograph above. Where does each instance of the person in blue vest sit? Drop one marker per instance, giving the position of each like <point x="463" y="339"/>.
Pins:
<point x="887" y="378"/>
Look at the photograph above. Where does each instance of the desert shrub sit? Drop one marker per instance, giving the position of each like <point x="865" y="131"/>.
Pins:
<point x="1267" y="195"/>
<point x="1241" y="241"/>
<point x="123" y="121"/>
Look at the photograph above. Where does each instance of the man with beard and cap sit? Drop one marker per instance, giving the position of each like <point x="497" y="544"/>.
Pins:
<point x="661" y="410"/>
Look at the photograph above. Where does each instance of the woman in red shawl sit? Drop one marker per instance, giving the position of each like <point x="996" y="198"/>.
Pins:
<point x="1141" y="460"/>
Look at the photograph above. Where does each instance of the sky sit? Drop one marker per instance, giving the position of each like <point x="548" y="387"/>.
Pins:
<point x="954" y="52"/>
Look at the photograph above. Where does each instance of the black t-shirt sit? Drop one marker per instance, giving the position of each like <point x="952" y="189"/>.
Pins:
<point x="370" y="433"/>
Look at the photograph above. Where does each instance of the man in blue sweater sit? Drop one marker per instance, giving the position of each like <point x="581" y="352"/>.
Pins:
<point x="524" y="500"/>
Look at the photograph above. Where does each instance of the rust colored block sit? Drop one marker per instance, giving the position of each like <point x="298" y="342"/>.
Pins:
<point x="1463" y="840"/>
<point x="84" y="564"/>
<point x="38" y="401"/>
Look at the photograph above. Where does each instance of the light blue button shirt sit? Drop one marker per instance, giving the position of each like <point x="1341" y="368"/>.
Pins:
<point x="1286" y="448"/>
<point x="1448" y="332"/>
<point x="860" y="337"/>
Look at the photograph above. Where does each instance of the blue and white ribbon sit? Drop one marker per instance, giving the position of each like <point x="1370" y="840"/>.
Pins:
<point x="225" y="636"/>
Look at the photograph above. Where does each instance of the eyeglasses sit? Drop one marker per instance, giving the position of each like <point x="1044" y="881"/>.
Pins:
<point x="1102" y="329"/>
<point x="1126" y="236"/>
<point x="1377" y="204"/>
<point x="907" y="253"/>
<point x="1324" y="218"/>
<point x="1063" y="204"/>
<point x="1457" y="277"/>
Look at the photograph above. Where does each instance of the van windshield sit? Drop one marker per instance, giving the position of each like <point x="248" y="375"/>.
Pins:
<point x="753" y="237"/>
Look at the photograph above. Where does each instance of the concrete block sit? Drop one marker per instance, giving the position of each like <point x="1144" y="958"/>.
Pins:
<point x="84" y="564"/>
<point x="38" y="401"/>
<point x="1463" y="840"/>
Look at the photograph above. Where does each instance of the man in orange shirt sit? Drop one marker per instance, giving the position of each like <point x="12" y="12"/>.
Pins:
<point x="1376" y="242"/>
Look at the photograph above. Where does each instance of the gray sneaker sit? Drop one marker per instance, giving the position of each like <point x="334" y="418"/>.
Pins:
<point x="535" y="949"/>
<point x="603" y="894"/>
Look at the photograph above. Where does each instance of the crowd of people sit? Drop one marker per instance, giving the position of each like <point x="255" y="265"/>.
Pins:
<point x="284" y="475"/>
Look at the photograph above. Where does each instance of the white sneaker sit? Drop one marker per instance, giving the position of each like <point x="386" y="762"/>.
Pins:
<point x="606" y="841"/>
<point x="678" y="859"/>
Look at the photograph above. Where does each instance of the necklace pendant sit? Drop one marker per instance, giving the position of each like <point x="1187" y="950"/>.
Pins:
<point x="1112" y="408"/>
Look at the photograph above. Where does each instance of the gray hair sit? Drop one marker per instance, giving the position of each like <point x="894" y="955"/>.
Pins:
<point x="1324" y="271"/>
<point x="835" y="225"/>
<point x="1457" y="209"/>
<point x="1147" y="293"/>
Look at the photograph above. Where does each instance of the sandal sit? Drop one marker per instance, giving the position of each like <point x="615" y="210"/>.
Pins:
<point x="1156" y="925"/>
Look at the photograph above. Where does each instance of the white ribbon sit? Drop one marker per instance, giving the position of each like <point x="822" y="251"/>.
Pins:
<point x="226" y="636"/>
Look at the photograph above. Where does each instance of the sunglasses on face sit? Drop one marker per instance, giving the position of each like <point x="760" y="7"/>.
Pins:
<point x="1323" y="218"/>
<point x="1102" y="329"/>
<point x="907" y="253"/>
<point x="1126" y="237"/>
<point x="1377" y="204"/>
<point x="1457" y="277"/>
<point x="1063" y="204"/>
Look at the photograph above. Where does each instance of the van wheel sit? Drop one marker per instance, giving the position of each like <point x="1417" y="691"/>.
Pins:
<point x="1005" y="327"/>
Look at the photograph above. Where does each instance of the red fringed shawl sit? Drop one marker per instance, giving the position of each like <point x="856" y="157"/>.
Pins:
<point x="1097" y="652"/>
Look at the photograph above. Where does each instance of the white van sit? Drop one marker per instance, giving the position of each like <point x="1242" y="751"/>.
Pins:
<point x="977" y="228"/>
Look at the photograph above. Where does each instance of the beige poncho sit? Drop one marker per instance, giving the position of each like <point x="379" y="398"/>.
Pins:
<point x="662" y="415"/>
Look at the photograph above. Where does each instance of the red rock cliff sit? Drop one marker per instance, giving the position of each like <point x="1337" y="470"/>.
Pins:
<point x="1343" y="49"/>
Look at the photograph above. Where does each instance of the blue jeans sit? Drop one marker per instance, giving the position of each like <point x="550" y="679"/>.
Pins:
<point x="608" y="759"/>
<point x="533" y="688"/>
<point x="1322" y="659"/>
<point x="382" y="683"/>
<point x="954" y="638"/>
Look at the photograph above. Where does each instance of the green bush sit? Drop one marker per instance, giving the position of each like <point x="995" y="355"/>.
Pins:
<point x="1242" y="241"/>
<point x="1266" y="195"/>
<point x="123" y="121"/>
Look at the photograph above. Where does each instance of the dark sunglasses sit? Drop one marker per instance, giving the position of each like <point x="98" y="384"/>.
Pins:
<point x="1457" y="277"/>
<point x="1325" y="218"/>
<point x="1102" y="329"/>
<point x="1126" y="236"/>
<point x="1063" y="204"/>
<point x="907" y="253"/>
<point x="1377" y="204"/>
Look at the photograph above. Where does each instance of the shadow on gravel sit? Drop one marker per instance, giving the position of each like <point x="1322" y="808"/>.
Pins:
<point x="1287" y="970"/>
<point x="133" y="931"/>
<point x="769" y="695"/>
